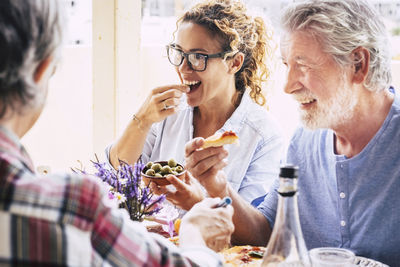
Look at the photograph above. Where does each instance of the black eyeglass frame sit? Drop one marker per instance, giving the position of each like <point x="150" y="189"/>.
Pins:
<point x="186" y="55"/>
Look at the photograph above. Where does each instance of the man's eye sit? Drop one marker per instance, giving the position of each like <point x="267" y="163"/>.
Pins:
<point x="302" y="67"/>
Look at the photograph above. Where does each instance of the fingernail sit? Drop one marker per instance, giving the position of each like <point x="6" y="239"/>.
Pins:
<point x="223" y="155"/>
<point x="198" y="141"/>
<point x="169" y="177"/>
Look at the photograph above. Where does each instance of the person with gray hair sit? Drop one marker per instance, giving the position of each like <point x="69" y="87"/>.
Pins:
<point x="337" y="57"/>
<point x="67" y="220"/>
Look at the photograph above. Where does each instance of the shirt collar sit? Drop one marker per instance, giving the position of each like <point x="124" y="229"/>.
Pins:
<point x="11" y="145"/>
<point x="235" y="122"/>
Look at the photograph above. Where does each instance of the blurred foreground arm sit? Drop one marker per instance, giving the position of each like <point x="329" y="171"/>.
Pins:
<point x="207" y="225"/>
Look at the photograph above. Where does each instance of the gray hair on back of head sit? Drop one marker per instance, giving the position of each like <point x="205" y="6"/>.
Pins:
<point x="342" y="26"/>
<point x="30" y="32"/>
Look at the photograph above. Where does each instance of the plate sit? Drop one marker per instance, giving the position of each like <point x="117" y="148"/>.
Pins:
<point x="365" y="262"/>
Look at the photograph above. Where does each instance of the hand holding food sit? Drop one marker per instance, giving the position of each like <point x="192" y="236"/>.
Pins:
<point x="214" y="225"/>
<point x="206" y="165"/>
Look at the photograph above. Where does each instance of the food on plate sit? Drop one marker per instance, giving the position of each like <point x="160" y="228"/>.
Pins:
<point x="243" y="256"/>
<point x="174" y="240"/>
<point x="157" y="171"/>
<point x="177" y="224"/>
<point x="220" y="139"/>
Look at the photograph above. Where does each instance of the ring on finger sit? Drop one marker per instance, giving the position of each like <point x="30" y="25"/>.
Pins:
<point x="165" y="105"/>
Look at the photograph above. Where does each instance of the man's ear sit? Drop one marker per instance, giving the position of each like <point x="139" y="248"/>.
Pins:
<point x="236" y="62"/>
<point x="41" y="69"/>
<point x="360" y="67"/>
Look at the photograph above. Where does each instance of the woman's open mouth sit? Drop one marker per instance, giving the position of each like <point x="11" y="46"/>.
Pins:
<point x="192" y="84"/>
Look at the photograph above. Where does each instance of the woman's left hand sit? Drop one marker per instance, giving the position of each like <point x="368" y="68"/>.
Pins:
<point x="185" y="194"/>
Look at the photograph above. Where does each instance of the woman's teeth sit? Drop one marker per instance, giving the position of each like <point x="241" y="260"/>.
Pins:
<point x="191" y="83"/>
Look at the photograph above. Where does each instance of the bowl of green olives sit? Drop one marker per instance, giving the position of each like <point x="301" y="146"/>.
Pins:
<point x="157" y="171"/>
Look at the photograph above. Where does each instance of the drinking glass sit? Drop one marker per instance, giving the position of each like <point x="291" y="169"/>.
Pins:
<point x="331" y="257"/>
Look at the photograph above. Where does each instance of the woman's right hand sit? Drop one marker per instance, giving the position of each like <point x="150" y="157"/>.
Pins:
<point x="129" y="146"/>
<point x="162" y="102"/>
<point x="206" y="166"/>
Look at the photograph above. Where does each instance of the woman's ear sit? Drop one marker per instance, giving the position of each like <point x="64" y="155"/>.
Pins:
<point x="42" y="68"/>
<point x="236" y="62"/>
<point x="361" y="58"/>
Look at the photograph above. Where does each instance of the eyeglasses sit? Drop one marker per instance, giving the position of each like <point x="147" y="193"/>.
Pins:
<point x="196" y="61"/>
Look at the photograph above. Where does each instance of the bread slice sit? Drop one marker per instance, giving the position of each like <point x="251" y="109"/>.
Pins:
<point x="220" y="139"/>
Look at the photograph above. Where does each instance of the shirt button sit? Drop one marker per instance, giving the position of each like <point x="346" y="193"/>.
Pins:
<point x="343" y="223"/>
<point x="341" y="166"/>
<point x="342" y="195"/>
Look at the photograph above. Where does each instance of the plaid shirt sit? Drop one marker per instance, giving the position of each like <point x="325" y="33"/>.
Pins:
<point x="67" y="220"/>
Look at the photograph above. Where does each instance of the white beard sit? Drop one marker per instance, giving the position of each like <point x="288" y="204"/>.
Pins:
<point x="331" y="113"/>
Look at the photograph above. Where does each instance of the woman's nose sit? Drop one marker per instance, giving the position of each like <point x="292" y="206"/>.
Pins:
<point x="185" y="67"/>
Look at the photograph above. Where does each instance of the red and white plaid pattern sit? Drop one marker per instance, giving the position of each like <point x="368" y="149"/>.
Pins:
<point x="67" y="220"/>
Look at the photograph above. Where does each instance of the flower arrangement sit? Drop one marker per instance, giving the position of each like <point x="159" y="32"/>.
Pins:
<point x="126" y="187"/>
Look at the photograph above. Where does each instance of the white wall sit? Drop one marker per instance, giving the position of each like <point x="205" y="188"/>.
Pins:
<point x="63" y="134"/>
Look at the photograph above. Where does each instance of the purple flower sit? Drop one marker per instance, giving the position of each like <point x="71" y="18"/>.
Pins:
<point x="111" y="195"/>
<point x="125" y="183"/>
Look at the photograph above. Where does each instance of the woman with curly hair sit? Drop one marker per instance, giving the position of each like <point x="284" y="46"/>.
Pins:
<point x="219" y="53"/>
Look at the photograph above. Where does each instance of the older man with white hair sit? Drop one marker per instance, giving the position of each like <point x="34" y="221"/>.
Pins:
<point x="338" y="70"/>
<point x="66" y="220"/>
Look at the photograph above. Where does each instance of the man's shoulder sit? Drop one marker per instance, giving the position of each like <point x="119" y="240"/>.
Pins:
<point x="55" y="196"/>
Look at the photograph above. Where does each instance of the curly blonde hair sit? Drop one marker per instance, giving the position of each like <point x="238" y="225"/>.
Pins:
<point x="237" y="32"/>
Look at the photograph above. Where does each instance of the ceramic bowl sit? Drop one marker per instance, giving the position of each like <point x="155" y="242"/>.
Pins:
<point x="160" y="180"/>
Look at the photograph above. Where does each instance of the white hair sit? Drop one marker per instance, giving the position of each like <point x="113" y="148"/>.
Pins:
<point x="30" y="32"/>
<point x="342" y="26"/>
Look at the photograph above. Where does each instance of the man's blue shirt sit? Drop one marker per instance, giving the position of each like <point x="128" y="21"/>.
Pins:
<point x="351" y="203"/>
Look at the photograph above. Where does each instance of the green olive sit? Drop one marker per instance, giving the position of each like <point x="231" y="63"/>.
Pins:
<point x="149" y="164"/>
<point x="179" y="169"/>
<point x="156" y="167"/>
<point x="166" y="170"/>
<point x="171" y="163"/>
<point x="158" y="175"/>
<point x="174" y="173"/>
<point x="150" y="172"/>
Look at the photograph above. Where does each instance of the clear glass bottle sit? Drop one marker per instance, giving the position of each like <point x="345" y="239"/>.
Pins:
<point x="286" y="246"/>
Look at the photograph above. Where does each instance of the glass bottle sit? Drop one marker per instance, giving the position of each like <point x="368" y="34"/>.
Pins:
<point x="286" y="246"/>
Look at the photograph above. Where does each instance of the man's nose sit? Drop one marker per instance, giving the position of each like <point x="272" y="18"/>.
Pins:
<point x="292" y="81"/>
